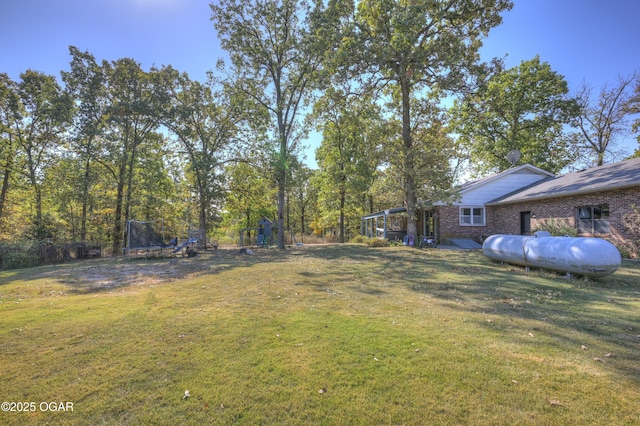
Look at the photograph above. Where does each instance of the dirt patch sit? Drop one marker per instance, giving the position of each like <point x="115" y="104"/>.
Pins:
<point x="107" y="275"/>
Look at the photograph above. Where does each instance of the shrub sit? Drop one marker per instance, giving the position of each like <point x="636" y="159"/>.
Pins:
<point x="556" y="227"/>
<point x="377" y="242"/>
<point x="359" y="239"/>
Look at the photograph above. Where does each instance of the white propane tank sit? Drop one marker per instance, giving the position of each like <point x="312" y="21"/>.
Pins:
<point x="592" y="257"/>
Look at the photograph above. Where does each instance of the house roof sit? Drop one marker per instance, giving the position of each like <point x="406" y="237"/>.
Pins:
<point x="525" y="168"/>
<point x="608" y="177"/>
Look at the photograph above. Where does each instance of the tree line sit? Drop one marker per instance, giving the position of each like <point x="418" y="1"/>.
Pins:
<point x="396" y="89"/>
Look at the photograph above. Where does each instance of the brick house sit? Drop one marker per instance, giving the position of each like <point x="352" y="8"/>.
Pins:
<point x="470" y="217"/>
<point x="591" y="202"/>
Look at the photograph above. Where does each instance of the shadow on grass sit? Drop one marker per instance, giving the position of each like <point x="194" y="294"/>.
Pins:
<point x="599" y="314"/>
<point x="595" y="318"/>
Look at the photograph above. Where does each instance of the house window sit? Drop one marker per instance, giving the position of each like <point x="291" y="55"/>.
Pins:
<point x="472" y="216"/>
<point x="593" y="219"/>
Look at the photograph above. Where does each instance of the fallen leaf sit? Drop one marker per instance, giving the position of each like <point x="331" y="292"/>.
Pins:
<point x="555" y="402"/>
<point x="514" y="381"/>
<point x="323" y="390"/>
<point x="610" y="355"/>
<point x="186" y="394"/>
<point x="531" y="334"/>
<point x="375" y="359"/>
<point x="584" y="348"/>
<point x="599" y="360"/>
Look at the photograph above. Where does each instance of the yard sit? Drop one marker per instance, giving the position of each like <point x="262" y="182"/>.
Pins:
<point x="337" y="334"/>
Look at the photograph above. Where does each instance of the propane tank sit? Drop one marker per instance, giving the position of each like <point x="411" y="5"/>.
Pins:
<point x="592" y="257"/>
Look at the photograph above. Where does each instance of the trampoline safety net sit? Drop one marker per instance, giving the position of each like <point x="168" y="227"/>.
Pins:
<point x="143" y="234"/>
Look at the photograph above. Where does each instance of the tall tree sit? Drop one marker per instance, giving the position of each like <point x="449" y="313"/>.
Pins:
<point x="413" y="47"/>
<point x="523" y="108"/>
<point x="435" y="154"/>
<point x="602" y="121"/>
<point x="39" y="131"/>
<point x="207" y="125"/>
<point x="9" y="110"/>
<point x="86" y="83"/>
<point x="276" y="54"/>
<point x="349" y="153"/>
<point x="132" y="113"/>
<point x="634" y="109"/>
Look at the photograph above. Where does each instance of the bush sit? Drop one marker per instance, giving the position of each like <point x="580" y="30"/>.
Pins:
<point x="36" y="253"/>
<point x="359" y="239"/>
<point x="377" y="242"/>
<point x="556" y="227"/>
<point x="371" y="242"/>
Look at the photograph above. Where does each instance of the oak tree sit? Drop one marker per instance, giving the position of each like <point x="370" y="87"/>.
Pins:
<point x="412" y="48"/>
<point x="275" y="57"/>
<point x="524" y="108"/>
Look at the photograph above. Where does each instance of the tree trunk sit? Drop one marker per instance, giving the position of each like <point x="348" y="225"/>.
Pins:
<point x="342" y="203"/>
<point x="85" y="200"/>
<point x="281" y="188"/>
<point x="409" y="168"/>
<point x="202" y="209"/>
<point x="117" y="220"/>
<point x="5" y="188"/>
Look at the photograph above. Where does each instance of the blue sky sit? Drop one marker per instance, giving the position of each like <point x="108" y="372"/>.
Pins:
<point x="584" y="40"/>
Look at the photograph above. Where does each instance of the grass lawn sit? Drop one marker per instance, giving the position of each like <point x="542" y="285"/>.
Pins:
<point x="332" y="335"/>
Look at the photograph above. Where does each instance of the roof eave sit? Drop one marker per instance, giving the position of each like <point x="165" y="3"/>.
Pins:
<point x="560" y="195"/>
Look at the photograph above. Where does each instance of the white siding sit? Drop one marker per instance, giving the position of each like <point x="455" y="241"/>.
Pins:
<point x="500" y="186"/>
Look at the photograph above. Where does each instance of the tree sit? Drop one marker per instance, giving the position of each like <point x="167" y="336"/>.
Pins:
<point x="603" y="121"/>
<point x="276" y="56"/>
<point x="412" y="48"/>
<point x="207" y="125"/>
<point x="39" y="124"/>
<point x="9" y="110"/>
<point x="249" y="194"/>
<point x="348" y="156"/>
<point x="86" y="83"/>
<point x="523" y="108"/>
<point x="634" y="109"/>
<point x="302" y="195"/>
<point x="133" y="110"/>
<point x="434" y="153"/>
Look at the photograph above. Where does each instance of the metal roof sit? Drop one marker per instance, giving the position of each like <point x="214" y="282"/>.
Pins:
<point x="385" y="213"/>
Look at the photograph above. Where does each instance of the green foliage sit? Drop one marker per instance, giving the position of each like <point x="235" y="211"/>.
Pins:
<point x="353" y="133"/>
<point x="556" y="227"/>
<point x="523" y="108"/>
<point x="378" y="242"/>
<point x="33" y="252"/>
<point x="417" y="51"/>
<point x="359" y="239"/>
<point x="371" y="241"/>
<point x="276" y="58"/>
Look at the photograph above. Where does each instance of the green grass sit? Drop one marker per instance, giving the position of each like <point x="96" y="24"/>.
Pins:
<point x="389" y="335"/>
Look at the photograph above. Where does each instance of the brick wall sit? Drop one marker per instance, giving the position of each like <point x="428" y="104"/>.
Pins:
<point x="505" y="219"/>
<point x="449" y="225"/>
